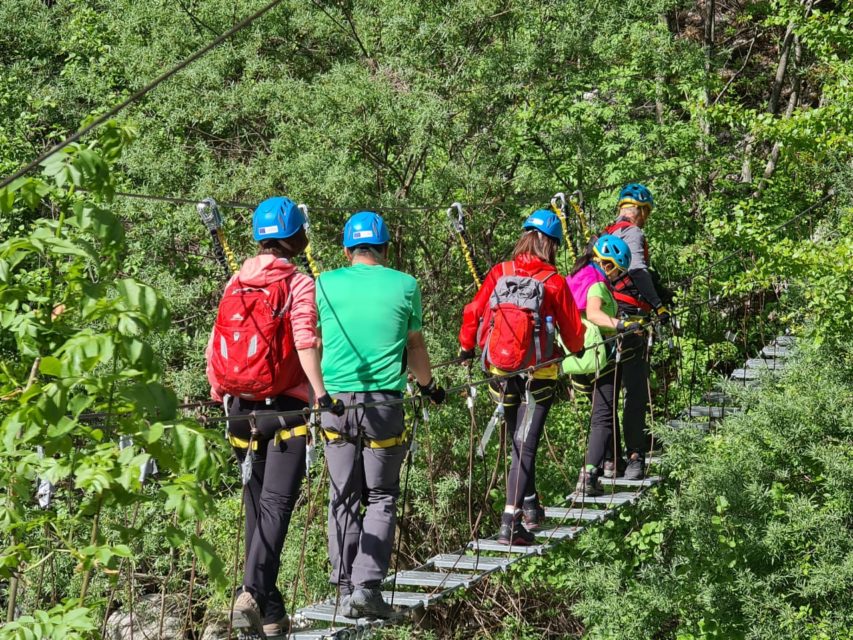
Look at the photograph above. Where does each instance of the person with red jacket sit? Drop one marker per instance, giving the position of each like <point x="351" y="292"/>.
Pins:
<point x="263" y="356"/>
<point x="513" y="319"/>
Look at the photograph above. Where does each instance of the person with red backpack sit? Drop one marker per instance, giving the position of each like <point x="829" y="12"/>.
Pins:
<point x="638" y="299"/>
<point x="263" y="357"/>
<point x="513" y="318"/>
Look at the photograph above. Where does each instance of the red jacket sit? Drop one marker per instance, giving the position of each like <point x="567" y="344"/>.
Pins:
<point x="558" y="304"/>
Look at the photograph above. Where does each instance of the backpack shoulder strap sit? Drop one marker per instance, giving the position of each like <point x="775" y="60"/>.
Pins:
<point x="508" y="268"/>
<point x="619" y="224"/>
<point x="543" y="276"/>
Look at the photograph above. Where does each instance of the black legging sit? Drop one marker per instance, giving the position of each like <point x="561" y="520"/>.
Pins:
<point x="604" y="422"/>
<point x="511" y="393"/>
<point x="270" y="496"/>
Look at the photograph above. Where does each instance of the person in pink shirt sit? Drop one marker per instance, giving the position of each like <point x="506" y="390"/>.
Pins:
<point x="263" y="356"/>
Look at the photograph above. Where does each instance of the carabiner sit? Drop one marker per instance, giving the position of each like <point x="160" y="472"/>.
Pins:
<point x="209" y="213"/>
<point x="458" y="220"/>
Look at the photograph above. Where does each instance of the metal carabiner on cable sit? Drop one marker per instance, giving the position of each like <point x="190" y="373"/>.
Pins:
<point x="457" y="221"/>
<point x="210" y="216"/>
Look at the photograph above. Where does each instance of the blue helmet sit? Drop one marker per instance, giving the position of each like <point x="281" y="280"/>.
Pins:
<point x="614" y="249"/>
<point x="365" y="227"/>
<point x="636" y="193"/>
<point x="547" y="222"/>
<point x="276" y="218"/>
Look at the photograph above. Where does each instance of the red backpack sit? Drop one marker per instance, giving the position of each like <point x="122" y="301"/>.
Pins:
<point x="253" y="354"/>
<point x="516" y="335"/>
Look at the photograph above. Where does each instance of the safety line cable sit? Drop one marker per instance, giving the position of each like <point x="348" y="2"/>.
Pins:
<point x="140" y="93"/>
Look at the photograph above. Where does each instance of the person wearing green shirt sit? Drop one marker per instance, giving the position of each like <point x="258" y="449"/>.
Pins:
<point x="370" y="319"/>
<point x="590" y="284"/>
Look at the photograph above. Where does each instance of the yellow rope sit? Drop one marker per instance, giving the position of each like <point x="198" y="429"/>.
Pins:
<point x="229" y="255"/>
<point x="469" y="259"/>
<point x="579" y="214"/>
<point x="312" y="264"/>
<point x="562" y="218"/>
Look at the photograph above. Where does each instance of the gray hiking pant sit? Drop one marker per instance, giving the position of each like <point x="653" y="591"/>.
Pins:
<point x="360" y="543"/>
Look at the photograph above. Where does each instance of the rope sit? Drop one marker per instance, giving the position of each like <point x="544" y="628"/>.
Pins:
<point x="140" y="93"/>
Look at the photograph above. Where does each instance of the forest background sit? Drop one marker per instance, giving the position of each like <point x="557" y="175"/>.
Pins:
<point x="738" y="116"/>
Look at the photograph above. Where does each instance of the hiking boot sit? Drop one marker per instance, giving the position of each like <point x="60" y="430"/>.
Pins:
<point x="246" y="616"/>
<point x="368" y="603"/>
<point x="636" y="469"/>
<point x="588" y="483"/>
<point x="615" y="470"/>
<point x="512" y="533"/>
<point x="533" y="513"/>
<point x="278" y="628"/>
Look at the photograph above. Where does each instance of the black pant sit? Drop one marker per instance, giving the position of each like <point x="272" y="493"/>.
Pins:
<point x="511" y="393"/>
<point x="604" y="423"/>
<point x="269" y="497"/>
<point x="634" y="372"/>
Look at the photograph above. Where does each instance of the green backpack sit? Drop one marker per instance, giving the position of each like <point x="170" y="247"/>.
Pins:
<point x="594" y="356"/>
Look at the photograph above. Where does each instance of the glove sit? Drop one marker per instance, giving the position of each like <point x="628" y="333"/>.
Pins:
<point x="664" y="315"/>
<point x="628" y="327"/>
<point x="579" y="354"/>
<point x="334" y="405"/>
<point x="465" y="355"/>
<point x="433" y="391"/>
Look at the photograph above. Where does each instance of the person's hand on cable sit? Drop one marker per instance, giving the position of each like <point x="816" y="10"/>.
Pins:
<point x="432" y="391"/>
<point x="579" y="354"/>
<point x="466" y="356"/>
<point x="334" y="405"/>
<point x="629" y="326"/>
<point x="664" y="316"/>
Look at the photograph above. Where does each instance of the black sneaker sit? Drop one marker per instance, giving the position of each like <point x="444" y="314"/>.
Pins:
<point x="636" y="469"/>
<point x="368" y="603"/>
<point x="512" y="533"/>
<point x="615" y="471"/>
<point x="533" y="513"/>
<point x="588" y="483"/>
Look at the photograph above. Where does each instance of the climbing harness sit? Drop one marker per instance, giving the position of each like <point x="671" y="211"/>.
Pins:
<point x="457" y="220"/>
<point x="209" y="213"/>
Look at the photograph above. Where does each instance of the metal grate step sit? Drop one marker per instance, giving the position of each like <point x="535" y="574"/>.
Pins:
<point x="746" y="375"/>
<point x="775" y="351"/>
<point x="557" y="533"/>
<point x="325" y="612"/>
<point x="784" y="341"/>
<point x="433" y="579"/>
<point x="714" y="413"/>
<point x="308" y="635"/>
<point x="690" y="424"/>
<point x="468" y="563"/>
<point x="623" y="482"/>
<point x="494" y="545"/>
<point x="568" y="515"/>
<point x="410" y="598"/>
<point x="614" y="499"/>
<point x="718" y="398"/>
<point x="762" y="364"/>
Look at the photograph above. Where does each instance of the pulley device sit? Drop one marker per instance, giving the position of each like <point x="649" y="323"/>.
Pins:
<point x="208" y="211"/>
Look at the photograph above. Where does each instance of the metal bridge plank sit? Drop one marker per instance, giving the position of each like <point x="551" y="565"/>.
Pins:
<point x="494" y="545"/>
<point x="775" y="351"/>
<point x="434" y="579"/>
<point x="762" y="364"/>
<point x="557" y="533"/>
<point x="463" y="562"/>
<point x="714" y="413"/>
<point x="410" y="599"/>
<point x="615" y="499"/>
<point x="745" y="374"/>
<point x="691" y="424"/>
<point x="325" y="612"/>
<point x="568" y="515"/>
<point x="624" y="482"/>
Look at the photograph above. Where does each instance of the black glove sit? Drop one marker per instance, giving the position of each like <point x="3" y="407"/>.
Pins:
<point x="628" y="327"/>
<point x="334" y="405"/>
<point x="433" y="391"/>
<point x="664" y="315"/>
<point x="579" y="354"/>
<point x="465" y="355"/>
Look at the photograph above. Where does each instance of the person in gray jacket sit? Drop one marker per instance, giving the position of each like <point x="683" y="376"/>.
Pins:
<point x="638" y="299"/>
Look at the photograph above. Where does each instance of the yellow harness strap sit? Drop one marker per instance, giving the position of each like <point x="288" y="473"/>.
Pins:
<point x="280" y="436"/>
<point x="387" y="443"/>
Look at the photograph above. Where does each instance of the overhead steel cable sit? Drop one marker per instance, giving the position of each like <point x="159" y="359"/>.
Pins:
<point x="140" y="93"/>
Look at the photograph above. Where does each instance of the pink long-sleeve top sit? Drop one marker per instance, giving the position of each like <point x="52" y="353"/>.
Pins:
<point x="262" y="271"/>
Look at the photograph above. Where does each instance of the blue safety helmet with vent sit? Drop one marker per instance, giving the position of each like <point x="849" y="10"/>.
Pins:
<point x="636" y="193"/>
<point x="365" y="227"/>
<point x="613" y="249"/>
<point x="547" y="222"/>
<point x="276" y="218"/>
